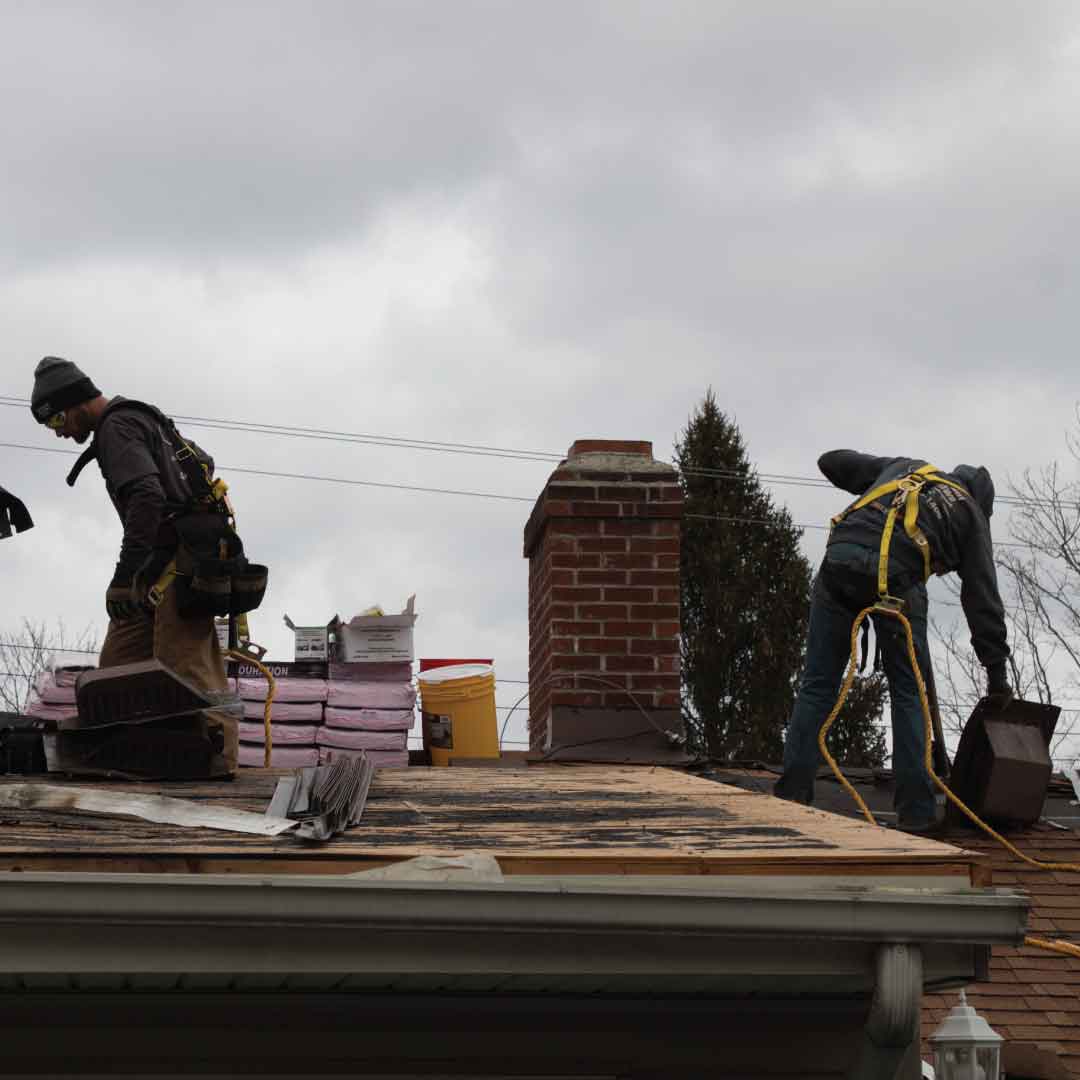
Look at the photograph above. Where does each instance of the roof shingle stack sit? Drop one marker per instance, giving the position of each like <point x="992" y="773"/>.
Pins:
<point x="296" y="714"/>
<point x="370" y="707"/>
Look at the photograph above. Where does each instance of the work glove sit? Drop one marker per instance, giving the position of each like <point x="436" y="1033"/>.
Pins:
<point x="126" y="596"/>
<point x="999" y="694"/>
<point x="13" y="513"/>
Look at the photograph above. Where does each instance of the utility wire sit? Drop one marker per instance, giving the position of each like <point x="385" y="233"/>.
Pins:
<point x="311" y="476"/>
<point x="431" y="490"/>
<point x="440" y="446"/>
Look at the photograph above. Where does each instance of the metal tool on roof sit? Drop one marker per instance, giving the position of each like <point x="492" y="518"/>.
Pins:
<point x="325" y="799"/>
<point x="1002" y="765"/>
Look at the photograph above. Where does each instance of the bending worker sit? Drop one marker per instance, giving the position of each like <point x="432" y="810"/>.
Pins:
<point x="163" y="490"/>
<point x="950" y="532"/>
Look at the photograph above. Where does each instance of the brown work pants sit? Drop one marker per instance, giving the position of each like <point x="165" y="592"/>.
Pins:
<point x="187" y="646"/>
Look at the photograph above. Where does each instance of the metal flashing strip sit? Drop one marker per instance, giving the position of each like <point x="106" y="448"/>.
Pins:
<point x="156" y="808"/>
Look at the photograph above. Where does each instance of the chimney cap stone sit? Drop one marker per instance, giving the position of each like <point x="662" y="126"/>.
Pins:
<point x="628" y="447"/>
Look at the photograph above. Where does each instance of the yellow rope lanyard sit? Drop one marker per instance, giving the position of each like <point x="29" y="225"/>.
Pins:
<point x="271" y="687"/>
<point x="907" y="491"/>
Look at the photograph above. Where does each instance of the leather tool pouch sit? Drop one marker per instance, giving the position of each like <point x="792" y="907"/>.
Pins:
<point x="213" y="576"/>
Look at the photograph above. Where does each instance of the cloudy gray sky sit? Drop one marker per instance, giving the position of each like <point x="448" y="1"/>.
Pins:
<point x="515" y="225"/>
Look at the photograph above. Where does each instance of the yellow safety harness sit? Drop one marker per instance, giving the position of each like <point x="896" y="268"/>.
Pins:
<point x="905" y="492"/>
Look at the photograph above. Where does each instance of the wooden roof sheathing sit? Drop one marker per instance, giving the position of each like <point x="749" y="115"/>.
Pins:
<point x="549" y="819"/>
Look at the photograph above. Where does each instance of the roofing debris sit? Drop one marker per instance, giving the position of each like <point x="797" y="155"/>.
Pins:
<point x="325" y="799"/>
<point x="157" y="808"/>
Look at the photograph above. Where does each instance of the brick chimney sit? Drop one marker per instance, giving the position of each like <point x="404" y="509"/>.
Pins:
<point x="603" y="550"/>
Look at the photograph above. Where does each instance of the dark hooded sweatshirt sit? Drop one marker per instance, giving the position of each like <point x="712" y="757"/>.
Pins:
<point x="957" y="529"/>
<point x="142" y="478"/>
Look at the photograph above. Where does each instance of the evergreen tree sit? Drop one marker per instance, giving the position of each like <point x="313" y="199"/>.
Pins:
<point x="857" y="737"/>
<point x="745" y="596"/>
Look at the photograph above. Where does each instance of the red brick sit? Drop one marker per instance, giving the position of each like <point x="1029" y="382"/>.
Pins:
<point x="668" y="596"/>
<point x="620" y="528"/>
<point x="607" y="646"/>
<point x="576" y="663"/>
<point x="654" y="647"/>
<point x="635" y="447"/>
<point x="654" y="611"/>
<point x="577" y="561"/>
<point x="654" y="682"/>
<point x="669" y="700"/>
<point x="667" y="528"/>
<point x="602" y="577"/>
<point x="665" y="578"/>
<point x="658" y="545"/>
<point x="561" y="577"/>
<point x="668" y="629"/>
<point x="557" y="508"/>
<point x="577" y="526"/>
<point x="669" y="663"/>
<point x="629" y="595"/>
<point x="603" y="544"/>
<point x="602" y="611"/>
<point x="628" y="629"/>
<point x="629" y="663"/>
<point x="575" y="594"/>
<point x="595" y="510"/>
<point x="556" y="543"/>
<point x="563" y="645"/>
<point x="667" y="562"/>
<point x="630" y="562"/>
<point x="578" y="629"/>
<point x="561" y="611"/>
<point x="666" y="493"/>
<point x="623" y="492"/>
<point x="571" y="492"/>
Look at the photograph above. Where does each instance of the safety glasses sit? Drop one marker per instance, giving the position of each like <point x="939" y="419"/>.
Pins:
<point x="56" y="421"/>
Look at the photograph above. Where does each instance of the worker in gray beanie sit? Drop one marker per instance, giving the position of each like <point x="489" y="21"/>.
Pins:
<point x="59" y="385"/>
<point x="138" y="451"/>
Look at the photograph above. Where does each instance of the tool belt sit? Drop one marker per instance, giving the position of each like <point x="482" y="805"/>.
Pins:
<point x="209" y="570"/>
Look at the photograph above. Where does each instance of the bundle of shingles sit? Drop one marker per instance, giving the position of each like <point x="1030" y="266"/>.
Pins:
<point x="53" y="695"/>
<point x="370" y="708"/>
<point x="360" y="708"/>
<point x="295" y="719"/>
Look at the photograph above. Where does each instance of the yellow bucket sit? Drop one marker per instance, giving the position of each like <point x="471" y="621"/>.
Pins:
<point x="458" y="706"/>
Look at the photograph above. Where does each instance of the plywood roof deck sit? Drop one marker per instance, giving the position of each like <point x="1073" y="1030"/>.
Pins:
<point x="552" y="819"/>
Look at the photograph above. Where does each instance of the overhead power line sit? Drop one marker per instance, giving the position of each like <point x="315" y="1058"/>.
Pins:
<point x="330" y="435"/>
<point x="474" y="449"/>
<point x="311" y="476"/>
<point x="428" y="490"/>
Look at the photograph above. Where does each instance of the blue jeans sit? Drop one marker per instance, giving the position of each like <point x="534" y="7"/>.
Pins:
<point x="828" y="648"/>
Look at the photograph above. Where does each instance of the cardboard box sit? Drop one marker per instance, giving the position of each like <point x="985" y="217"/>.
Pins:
<point x="310" y="642"/>
<point x="373" y="638"/>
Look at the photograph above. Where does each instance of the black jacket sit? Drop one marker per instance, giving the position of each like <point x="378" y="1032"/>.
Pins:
<point x="142" y="477"/>
<point x="956" y="527"/>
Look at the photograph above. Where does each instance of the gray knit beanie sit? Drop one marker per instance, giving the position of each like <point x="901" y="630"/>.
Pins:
<point x="58" y="385"/>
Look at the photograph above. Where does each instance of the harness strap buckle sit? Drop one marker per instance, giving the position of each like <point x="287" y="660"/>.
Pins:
<point x="184" y="453"/>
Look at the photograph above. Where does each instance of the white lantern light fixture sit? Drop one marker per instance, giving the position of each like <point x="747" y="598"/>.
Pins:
<point x="966" y="1047"/>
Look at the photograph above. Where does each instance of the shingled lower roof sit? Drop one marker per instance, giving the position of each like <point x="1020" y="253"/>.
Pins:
<point x="1032" y="996"/>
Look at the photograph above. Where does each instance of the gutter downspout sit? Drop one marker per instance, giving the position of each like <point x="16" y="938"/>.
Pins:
<point x="890" y="1043"/>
